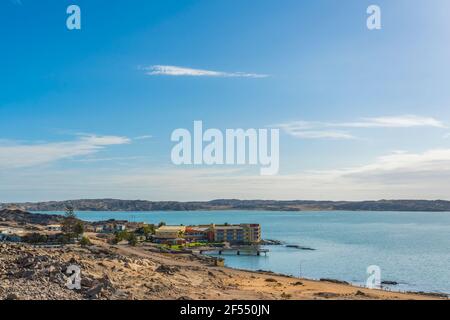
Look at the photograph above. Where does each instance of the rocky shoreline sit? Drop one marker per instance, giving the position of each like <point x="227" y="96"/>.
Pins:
<point x="142" y="272"/>
<point x="128" y="273"/>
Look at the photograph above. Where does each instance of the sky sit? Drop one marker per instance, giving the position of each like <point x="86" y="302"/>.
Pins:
<point x="363" y="114"/>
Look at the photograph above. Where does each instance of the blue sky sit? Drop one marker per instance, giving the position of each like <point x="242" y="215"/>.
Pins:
<point x="363" y="114"/>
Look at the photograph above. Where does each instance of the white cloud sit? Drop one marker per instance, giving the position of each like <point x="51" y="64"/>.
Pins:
<point x="313" y="130"/>
<point x="397" y="175"/>
<point x="404" y="121"/>
<point x="19" y="155"/>
<point x="317" y="134"/>
<point x="332" y="130"/>
<point x="144" y="137"/>
<point x="436" y="160"/>
<point x="158" y="70"/>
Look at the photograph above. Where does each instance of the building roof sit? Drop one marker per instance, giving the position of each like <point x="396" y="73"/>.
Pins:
<point x="231" y="227"/>
<point x="171" y="228"/>
<point x="10" y="230"/>
<point x="197" y="229"/>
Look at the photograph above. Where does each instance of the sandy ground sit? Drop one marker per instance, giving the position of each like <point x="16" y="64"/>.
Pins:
<point x="125" y="272"/>
<point x="194" y="279"/>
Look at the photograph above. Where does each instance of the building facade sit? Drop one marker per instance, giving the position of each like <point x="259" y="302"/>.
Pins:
<point x="240" y="234"/>
<point x="245" y="233"/>
<point x="170" y="232"/>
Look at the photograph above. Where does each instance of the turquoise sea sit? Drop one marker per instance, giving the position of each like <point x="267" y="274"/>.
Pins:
<point x="411" y="248"/>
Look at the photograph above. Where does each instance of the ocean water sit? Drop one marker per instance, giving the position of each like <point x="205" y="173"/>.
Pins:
<point x="411" y="248"/>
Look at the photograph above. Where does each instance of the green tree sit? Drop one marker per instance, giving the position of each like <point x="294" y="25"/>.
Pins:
<point x="125" y="235"/>
<point x="71" y="226"/>
<point x="146" y="230"/>
<point x="162" y="223"/>
<point x="132" y="239"/>
<point x="35" y="238"/>
<point x="84" y="242"/>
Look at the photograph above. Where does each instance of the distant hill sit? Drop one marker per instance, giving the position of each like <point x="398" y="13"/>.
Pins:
<point x="232" y="204"/>
<point x="21" y="216"/>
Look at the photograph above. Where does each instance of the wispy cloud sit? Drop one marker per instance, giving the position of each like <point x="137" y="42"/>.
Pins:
<point x="319" y="134"/>
<point x="404" y="121"/>
<point x="19" y="155"/>
<point x="16" y="2"/>
<point x="161" y="70"/>
<point x="144" y="137"/>
<point x="399" y="174"/>
<point x="435" y="160"/>
<point x="334" y="130"/>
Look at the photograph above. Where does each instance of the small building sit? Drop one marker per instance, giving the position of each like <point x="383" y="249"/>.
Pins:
<point x="170" y="232"/>
<point x="54" y="227"/>
<point x="10" y="238"/>
<point x="120" y="227"/>
<point x="110" y="228"/>
<point x="198" y="233"/>
<point x="11" y="234"/>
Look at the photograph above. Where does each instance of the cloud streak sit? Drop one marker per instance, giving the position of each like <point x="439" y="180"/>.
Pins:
<point x="14" y="155"/>
<point x="340" y="130"/>
<point x="175" y="71"/>
<point x="401" y="175"/>
<point x="404" y="121"/>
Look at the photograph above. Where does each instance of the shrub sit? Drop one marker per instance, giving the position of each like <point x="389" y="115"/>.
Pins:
<point x="84" y="242"/>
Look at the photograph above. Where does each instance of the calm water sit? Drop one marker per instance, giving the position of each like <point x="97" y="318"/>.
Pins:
<point x="411" y="248"/>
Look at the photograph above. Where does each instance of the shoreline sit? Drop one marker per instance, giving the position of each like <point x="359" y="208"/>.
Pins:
<point x="390" y="289"/>
<point x="122" y="272"/>
<point x="343" y="282"/>
<point x="243" y="210"/>
<point x="191" y="257"/>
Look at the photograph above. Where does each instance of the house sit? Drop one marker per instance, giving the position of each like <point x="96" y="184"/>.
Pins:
<point x="54" y="227"/>
<point x="12" y="234"/>
<point x="120" y="227"/>
<point x="110" y="227"/>
<point x="10" y="238"/>
<point x="170" y="232"/>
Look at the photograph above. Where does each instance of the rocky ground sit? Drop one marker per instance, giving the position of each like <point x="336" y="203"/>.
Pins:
<point x="124" y="272"/>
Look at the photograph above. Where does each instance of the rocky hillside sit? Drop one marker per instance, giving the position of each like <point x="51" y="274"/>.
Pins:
<point x="23" y="217"/>
<point x="39" y="274"/>
<point x="125" y="273"/>
<point x="271" y="205"/>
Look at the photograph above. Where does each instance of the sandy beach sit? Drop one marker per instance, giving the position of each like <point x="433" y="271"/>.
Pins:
<point x="125" y="272"/>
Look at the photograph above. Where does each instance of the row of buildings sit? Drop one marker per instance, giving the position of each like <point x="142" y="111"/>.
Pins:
<point x="11" y="234"/>
<point x="244" y="233"/>
<point x="235" y="234"/>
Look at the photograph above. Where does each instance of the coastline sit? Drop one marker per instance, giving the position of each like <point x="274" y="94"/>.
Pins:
<point x="236" y="271"/>
<point x="124" y="272"/>
<point x="345" y="283"/>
